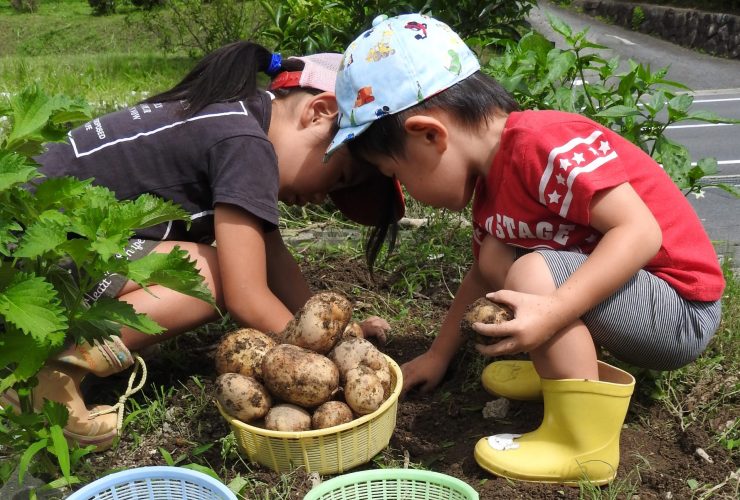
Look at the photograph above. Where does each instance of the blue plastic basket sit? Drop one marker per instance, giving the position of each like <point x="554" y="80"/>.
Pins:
<point x="155" y="483"/>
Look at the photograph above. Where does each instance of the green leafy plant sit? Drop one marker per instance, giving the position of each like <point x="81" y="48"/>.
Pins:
<point x="639" y="104"/>
<point x="47" y="223"/>
<point x="638" y="17"/>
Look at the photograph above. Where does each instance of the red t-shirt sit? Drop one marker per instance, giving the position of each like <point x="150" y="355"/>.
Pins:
<point x="541" y="182"/>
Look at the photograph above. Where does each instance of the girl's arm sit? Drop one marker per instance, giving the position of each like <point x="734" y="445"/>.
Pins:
<point x="284" y="276"/>
<point x="631" y="237"/>
<point x="243" y="267"/>
<point x="428" y="369"/>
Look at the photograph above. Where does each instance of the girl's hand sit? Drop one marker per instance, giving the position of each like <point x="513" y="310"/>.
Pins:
<point x="536" y="319"/>
<point x="377" y="327"/>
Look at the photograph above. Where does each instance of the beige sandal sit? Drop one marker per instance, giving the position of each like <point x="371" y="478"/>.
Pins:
<point x="60" y="378"/>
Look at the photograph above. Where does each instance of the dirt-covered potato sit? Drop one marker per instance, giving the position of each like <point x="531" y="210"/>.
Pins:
<point x="484" y="310"/>
<point x="299" y="376"/>
<point x="330" y="414"/>
<point x="352" y="352"/>
<point x="288" y="417"/>
<point x="319" y="323"/>
<point x="242" y="397"/>
<point x="363" y="390"/>
<point x="353" y="330"/>
<point x="241" y="351"/>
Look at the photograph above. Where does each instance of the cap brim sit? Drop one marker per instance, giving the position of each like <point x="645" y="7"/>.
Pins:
<point x="345" y="135"/>
<point x="376" y="201"/>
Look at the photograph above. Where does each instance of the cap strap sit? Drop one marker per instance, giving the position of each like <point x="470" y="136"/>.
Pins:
<point x="276" y="62"/>
<point x="286" y="79"/>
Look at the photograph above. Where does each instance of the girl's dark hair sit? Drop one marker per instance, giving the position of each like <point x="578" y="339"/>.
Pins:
<point x="471" y="102"/>
<point x="386" y="230"/>
<point x="227" y="74"/>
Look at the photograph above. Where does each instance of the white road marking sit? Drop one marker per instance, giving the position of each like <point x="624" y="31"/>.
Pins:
<point x="623" y="40"/>
<point x="700" y="125"/>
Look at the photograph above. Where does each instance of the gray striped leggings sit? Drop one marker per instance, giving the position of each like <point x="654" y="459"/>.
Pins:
<point x="645" y="323"/>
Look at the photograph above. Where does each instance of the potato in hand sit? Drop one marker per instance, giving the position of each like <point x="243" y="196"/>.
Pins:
<point x="486" y="311"/>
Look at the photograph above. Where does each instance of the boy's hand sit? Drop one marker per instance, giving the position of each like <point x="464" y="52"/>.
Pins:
<point x="536" y="319"/>
<point x="424" y="371"/>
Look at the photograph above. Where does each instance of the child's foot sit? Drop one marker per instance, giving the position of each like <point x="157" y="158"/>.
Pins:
<point x="60" y="383"/>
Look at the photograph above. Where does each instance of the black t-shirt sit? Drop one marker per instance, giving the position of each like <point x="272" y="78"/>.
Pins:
<point x="220" y="155"/>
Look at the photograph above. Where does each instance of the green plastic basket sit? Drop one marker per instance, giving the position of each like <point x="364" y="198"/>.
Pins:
<point x="393" y="484"/>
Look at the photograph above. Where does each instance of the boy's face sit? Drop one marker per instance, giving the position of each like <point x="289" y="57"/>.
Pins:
<point x="440" y="184"/>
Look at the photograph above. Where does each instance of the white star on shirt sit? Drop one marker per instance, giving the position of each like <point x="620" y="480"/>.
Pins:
<point x="564" y="164"/>
<point x="604" y="147"/>
<point x="578" y="158"/>
<point x="554" y="197"/>
<point x="560" y="179"/>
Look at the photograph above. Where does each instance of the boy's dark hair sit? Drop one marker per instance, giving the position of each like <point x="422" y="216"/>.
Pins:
<point x="227" y="74"/>
<point x="470" y="101"/>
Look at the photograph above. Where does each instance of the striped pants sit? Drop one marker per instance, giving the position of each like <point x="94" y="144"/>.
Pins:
<point x="645" y="323"/>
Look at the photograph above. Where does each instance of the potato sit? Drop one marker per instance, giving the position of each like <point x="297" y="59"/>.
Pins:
<point x="352" y="352"/>
<point x="330" y="414"/>
<point x="319" y="323"/>
<point x="484" y="311"/>
<point x="242" y="397"/>
<point x="288" y="417"/>
<point x="353" y="330"/>
<point x="299" y="376"/>
<point x="241" y="351"/>
<point x="363" y="391"/>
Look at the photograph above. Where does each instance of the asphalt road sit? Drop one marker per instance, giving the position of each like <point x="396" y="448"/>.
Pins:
<point x="715" y="84"/>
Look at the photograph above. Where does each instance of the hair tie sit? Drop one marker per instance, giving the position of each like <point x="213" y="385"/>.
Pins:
<point x="276" y="62"/>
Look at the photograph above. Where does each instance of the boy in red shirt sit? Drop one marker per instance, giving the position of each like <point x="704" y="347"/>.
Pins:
<point x="579" y="231"/>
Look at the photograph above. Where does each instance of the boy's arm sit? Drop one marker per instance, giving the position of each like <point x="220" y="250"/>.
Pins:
<point x="631" y="237"/>
<point x="242" y="260"/>
<point x="428" y="369"/>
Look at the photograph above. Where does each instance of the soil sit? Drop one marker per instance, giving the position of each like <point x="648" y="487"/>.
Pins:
<point x="436" y="430"/>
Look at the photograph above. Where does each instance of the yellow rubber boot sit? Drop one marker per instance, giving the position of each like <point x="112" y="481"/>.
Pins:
<point x="512" y="379"/>
<point x="578" y="439"/>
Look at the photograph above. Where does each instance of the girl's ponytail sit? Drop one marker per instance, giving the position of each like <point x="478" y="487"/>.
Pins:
<point x="226" y="74"/>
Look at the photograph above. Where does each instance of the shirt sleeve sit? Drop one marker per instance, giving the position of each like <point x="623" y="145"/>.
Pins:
<point x="564" y="166"/>
<point x="243" y="171"/>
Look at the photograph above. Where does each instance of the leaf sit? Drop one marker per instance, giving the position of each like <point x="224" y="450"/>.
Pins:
<point x="618" y="111"/>
<point x="24" y="353"/>
<point x="55" y="191"/>
<point x="31" y="304"/>
<point x="203" y="469"/>
<point x="173" y="270"/>
<point x="14" y="170"/>
<point x="27" y="456"/>
<point x="56" y="413"/>
<point x="105" y="317"/>
<point x="42" y="236"/>
<point x="60" y="449"/>
<point x="148" y="210"/>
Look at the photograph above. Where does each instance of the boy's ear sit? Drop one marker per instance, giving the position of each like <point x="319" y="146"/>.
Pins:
<point x="318" y="108"/>
<point x="429" y="129"/>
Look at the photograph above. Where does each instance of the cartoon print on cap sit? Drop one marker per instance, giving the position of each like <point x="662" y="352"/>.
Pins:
<point x="364" y="96"/>
<point x="417" y="26"/>
<point x="381" y="50"/>
<point x="454" y="66"/>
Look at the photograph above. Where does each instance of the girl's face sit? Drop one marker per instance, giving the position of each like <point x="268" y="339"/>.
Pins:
<point x="300" y="131"/>
<point x="305" y="178"/>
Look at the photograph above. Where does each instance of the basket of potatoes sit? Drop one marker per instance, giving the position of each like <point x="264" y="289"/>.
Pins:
<point x="317" y="396"/>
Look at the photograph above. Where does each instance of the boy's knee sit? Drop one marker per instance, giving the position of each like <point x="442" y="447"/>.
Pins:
<point x="531" y="274"/>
